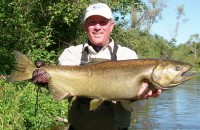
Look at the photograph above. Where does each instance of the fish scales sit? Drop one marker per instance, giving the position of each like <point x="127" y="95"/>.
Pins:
<point x="98" y="81"/>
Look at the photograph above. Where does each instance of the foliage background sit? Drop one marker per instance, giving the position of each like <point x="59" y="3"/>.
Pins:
<point x="42" y="29"/>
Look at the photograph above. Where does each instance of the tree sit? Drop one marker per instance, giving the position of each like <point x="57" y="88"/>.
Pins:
<point x="42" y="28"/>
<point x="144" y="19"/>
<point x="182" y="53"/>
<point x="179" y="21"/>
<point x="194" y="45"/>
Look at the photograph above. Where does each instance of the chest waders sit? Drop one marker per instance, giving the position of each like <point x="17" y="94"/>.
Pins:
<point x="109" y="116"/>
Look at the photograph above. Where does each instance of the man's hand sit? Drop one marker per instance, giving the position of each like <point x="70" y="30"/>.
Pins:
<point x="145" y="92"/>
<point x="40" y="76"/>
<point x="40" y="63"/>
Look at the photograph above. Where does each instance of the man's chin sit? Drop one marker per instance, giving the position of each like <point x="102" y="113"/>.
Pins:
<point x="97" y="42"/>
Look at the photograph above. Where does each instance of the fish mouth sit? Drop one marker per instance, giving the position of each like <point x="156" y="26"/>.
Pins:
<point x="183" y="76"/>
<point x="175" y="74"/>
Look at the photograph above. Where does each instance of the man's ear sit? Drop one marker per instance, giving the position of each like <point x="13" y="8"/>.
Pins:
<point x="112" y="25"/>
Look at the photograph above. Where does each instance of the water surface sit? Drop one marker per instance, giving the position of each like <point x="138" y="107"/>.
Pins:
<point x="178" y="108"/>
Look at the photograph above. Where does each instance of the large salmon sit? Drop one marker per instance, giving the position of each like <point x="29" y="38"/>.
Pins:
<point x="109" y="80"/>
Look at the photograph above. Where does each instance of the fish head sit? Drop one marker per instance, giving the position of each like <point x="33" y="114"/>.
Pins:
<point x="170" y="73"/>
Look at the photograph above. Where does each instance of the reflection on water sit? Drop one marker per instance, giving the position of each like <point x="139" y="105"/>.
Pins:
<point x="178" y="108"/>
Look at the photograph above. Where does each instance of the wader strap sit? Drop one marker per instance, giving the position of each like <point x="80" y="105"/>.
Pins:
<point x="114" y="53"/>
<point x="84" y="57"/>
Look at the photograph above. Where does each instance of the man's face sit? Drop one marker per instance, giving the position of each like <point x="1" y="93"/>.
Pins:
<point x="98" y="29"/>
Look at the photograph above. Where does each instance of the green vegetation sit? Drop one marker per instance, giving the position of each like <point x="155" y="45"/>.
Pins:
<point x="42" y="29"/>
<point x="19" y="109"/>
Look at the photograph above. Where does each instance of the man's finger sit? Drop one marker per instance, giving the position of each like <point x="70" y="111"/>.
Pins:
<point x="143" y="91"/>
<point x="157" y="93"/>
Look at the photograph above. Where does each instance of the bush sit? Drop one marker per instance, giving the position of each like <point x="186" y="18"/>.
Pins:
<point x="18" y="107"/>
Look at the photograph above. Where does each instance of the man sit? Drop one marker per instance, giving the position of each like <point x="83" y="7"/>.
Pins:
<point x="98" y="24"/>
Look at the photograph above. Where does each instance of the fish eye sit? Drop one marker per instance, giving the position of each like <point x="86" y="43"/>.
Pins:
<point x="178" y="68"/>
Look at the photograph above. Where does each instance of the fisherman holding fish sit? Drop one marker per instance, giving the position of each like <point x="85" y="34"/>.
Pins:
<point x="98" y="24"/>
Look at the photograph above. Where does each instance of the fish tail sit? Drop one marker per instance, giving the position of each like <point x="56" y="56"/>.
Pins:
<point x="23" y="68"/>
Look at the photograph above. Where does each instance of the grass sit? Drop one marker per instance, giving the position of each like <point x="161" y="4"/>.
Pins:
<point x="18" y="106"/>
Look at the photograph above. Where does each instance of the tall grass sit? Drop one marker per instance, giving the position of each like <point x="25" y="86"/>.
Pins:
<point x="18" y="106"/>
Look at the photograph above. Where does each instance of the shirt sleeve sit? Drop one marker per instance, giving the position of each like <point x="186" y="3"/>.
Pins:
<point x="71" y="56"/>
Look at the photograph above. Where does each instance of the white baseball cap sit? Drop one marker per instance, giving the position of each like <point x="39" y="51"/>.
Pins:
<point x="98" y="9"/>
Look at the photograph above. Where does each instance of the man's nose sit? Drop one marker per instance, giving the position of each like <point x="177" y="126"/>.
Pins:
<point x="97" y="26"/>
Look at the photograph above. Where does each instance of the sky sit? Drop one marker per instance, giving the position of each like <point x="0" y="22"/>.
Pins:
<point x="166" y="25"/>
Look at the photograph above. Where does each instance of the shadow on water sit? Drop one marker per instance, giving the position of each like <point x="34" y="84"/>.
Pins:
<point x="177" y="108"/>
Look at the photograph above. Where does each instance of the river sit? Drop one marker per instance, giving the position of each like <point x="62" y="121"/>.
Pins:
<point x="178" y="108"/>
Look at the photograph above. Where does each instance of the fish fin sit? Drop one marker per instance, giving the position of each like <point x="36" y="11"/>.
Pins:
<point x="23" y="68"/>
<point x="93" y="61"/>
<point x="71" y="102"/>
<point x="95" y="103"/>
<point x="56" y="90"/>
